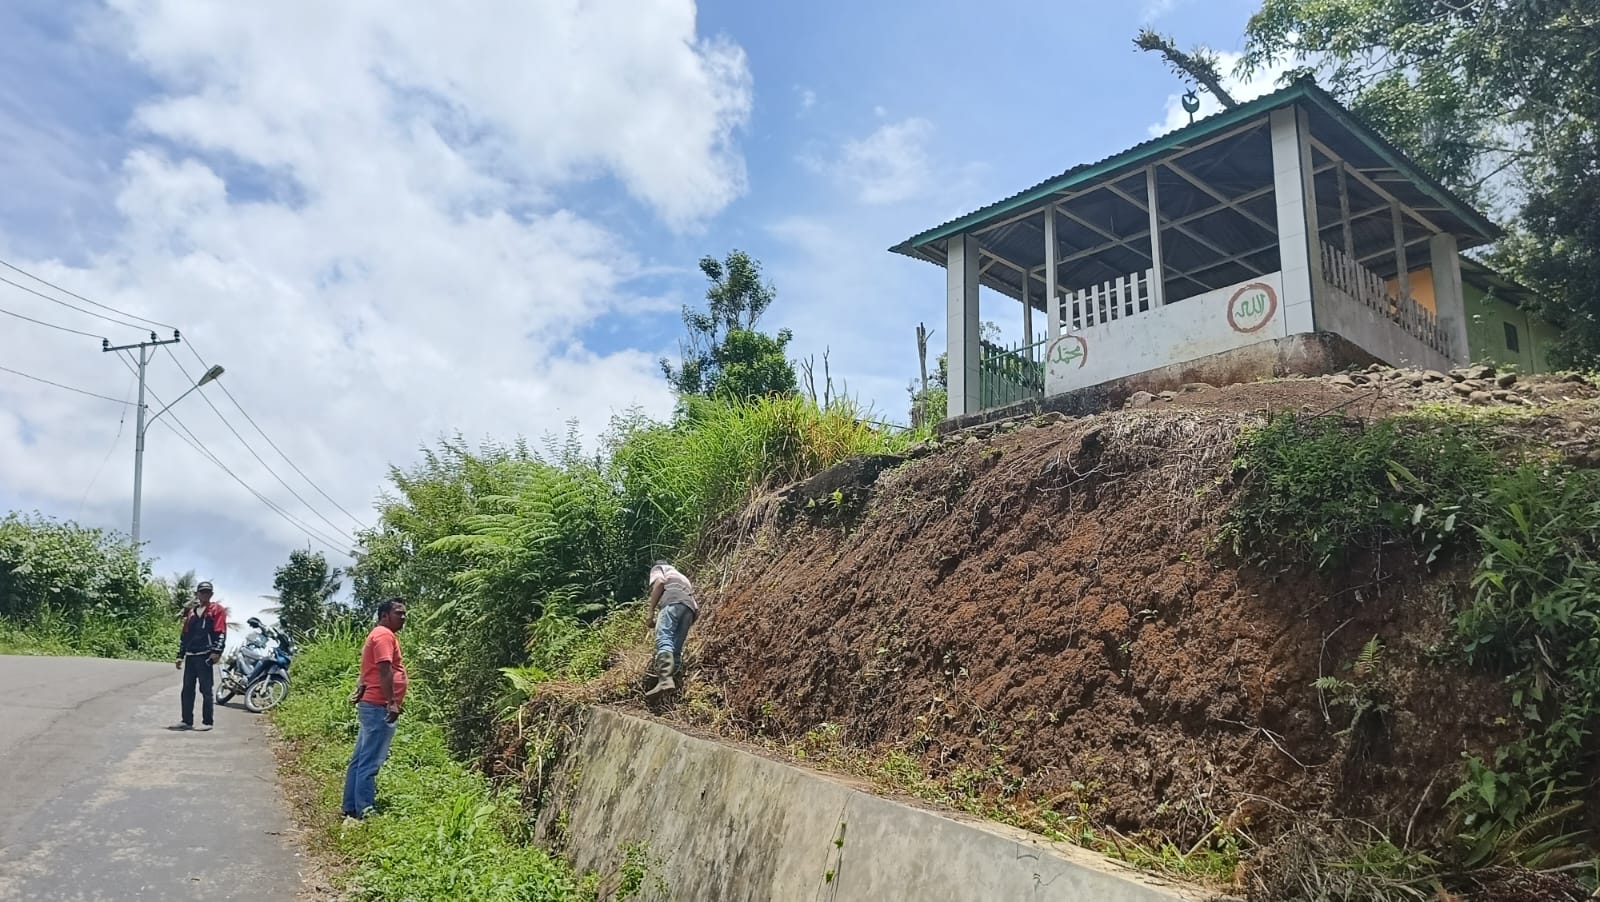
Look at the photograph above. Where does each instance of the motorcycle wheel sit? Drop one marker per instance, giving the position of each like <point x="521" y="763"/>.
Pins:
<point x="266" y="693"/>
<point x="224" y="696"/>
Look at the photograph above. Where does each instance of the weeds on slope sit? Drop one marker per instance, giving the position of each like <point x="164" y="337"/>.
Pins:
<point x="1314" y="491"/>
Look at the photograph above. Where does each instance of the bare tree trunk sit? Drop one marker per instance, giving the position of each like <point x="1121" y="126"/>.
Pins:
<point x="827" y="380"/>
<point x="922" y="364"/>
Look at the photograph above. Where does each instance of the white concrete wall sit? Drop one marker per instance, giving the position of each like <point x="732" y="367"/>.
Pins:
<point x="1210" y="323"/>
<point x="1375" y="334"/>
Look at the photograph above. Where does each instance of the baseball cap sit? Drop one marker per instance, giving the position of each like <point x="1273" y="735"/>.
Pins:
<point x="203" y="587"/>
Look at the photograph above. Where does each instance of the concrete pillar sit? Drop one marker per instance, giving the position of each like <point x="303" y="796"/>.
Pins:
<point x="1027" y="314"/>
<point x="1158" y="273"/>
<point x="961" y="324"/>
<point x="1052" y="303"/>
<point x="1402" y="266"/>
<point x="1449" y="299"/>
<point x="1298" y="242"/>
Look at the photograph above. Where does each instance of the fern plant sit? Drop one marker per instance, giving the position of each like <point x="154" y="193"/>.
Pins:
<point x="1367" y="693"/>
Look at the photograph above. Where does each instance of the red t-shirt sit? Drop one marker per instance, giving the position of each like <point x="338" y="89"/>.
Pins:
<point x="382" y="645"/>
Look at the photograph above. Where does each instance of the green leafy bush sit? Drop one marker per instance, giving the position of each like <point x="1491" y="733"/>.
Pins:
<point x="1317" y="490"/>
<point x="70" y="590"/>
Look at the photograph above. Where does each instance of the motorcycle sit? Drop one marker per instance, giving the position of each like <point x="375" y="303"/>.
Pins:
<point x="258" y="670"/>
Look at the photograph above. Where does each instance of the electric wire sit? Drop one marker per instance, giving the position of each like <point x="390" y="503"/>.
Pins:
<point x="235" y="401"/>
<point x="40" y="322"/>
<point x="40" y="294"/>
<point x="121" y="421"/>
<point x="66" y="387"/>
<point x="252" y="421"/>
<point x="67" y="291"/>
<point x="290" y="489"/>
<point x="177" y="426"/>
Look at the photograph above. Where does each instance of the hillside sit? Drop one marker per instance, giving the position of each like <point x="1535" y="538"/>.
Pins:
<point x="1089" y="626"/>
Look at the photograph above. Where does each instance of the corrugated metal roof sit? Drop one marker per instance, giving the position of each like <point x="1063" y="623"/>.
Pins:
<point x="1143" y="153"/>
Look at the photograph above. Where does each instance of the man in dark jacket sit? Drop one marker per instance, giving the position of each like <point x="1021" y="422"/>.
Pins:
<point x="205" y="632"/>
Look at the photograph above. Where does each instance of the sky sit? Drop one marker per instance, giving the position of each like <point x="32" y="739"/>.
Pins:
<point x="392" y="224"/>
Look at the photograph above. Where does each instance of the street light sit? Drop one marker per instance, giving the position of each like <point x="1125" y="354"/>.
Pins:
<point x="211" y="375"/>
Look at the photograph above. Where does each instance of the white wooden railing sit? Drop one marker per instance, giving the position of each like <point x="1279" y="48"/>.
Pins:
<point x="1363" y="286"/>
<point x="1118" y="298"/>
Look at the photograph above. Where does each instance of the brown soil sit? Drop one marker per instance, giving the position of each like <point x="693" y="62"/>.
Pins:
<point x="1042" y="604"/>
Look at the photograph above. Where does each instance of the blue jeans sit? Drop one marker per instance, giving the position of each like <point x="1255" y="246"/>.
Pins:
<point x="372" y="747"/>
<point x="672" y="627"/>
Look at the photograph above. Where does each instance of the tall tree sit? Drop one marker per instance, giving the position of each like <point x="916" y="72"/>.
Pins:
<point x="1500" y="99"/>
<point x="305" y="587"/>
<point x="723" y="355"/>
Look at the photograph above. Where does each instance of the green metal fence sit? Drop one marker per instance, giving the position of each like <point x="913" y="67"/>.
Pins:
<point x="1007" y="375"/>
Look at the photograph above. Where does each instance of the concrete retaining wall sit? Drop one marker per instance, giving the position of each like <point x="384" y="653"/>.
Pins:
<point x="724" y="824"/>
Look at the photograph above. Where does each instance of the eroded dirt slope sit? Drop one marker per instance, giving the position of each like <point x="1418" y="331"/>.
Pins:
<point x="1043" y="605"/>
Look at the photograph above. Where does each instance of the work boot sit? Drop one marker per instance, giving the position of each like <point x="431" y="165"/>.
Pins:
<point x="662" y="665"/>
<point x="663" y="685"/>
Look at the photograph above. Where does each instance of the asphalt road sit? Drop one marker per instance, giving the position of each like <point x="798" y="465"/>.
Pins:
<point x="100" y="801"/>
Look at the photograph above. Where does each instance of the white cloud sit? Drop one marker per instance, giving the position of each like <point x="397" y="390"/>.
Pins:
<point x="413" y="270"/>
<point x="1241" y="89"/>
<point x="1159" y="9"/>
<point x="889" y="166"/>
<point x="808" y="99"/>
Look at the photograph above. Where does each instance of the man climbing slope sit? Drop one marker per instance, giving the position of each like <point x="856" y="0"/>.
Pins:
<point x="205" y="632"/>
<point x="672" y="592"/>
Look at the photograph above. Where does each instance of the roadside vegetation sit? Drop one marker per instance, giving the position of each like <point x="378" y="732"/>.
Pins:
<point x="510" y="556"/>
<point x="70" y="590"/>
<point x="441" y="831"/>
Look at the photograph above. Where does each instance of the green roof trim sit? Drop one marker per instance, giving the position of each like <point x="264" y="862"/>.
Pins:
<point x="1143" y="153"/>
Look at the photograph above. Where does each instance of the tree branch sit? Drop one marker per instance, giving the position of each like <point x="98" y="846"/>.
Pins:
<point x="1201" y="65"/>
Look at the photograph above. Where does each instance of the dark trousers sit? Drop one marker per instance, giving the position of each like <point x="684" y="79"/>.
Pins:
<point x="197" y="669"/>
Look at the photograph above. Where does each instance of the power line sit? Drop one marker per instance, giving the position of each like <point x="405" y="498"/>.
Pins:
<point x="121" y="421"/>
<point x="183" y="432"/>
<point x="80" y="297"/>
<point x="40" y="294"/>
<point x="336" y="530"/>
<point x="40" y="322"/>
<point x="66" y="387"/>
<point x="252" y="421"/>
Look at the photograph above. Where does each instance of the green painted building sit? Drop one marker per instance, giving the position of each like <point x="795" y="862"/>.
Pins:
<point x="1500" y="328"/>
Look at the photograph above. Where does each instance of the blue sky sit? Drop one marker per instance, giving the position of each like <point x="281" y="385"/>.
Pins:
<point x="392" y="226"/>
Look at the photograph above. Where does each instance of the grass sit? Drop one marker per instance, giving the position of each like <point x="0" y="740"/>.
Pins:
<point x="441" y="832"/>
<point x="94" y="635"/>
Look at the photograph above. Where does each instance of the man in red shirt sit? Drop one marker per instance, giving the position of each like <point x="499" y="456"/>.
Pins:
<point x="205" y="632"/>
<point x="378" y="698"/>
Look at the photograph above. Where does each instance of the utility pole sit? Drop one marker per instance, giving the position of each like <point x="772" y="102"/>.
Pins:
<point x="145" y="347"/>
